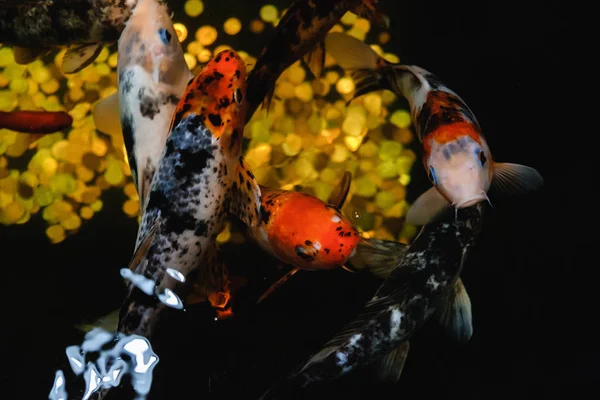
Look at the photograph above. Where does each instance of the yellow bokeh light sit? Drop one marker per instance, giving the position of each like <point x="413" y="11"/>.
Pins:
<point x="206" y="35"/>
<point x="269" y="13"/>
<point x="193" y="8"/>
<point x="181" y="31"/>
<point x="232" y="26"/>
<point x="257" y="26"/>
<point x="345" y="85"/>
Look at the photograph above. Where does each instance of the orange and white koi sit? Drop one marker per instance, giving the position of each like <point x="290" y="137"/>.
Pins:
<point x="455" y="154"/>
<point x="200" y="177"/>
<point x="152" y="76"/>
<point x="40" y="122"/>
<point x="299" y="35"/>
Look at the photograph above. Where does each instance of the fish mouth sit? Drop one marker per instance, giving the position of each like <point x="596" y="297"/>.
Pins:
<point x="471" y="201"/>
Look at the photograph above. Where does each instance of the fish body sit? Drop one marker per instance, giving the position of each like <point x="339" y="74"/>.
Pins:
<point x="152" y="76"/>
<point x="304" y="231"/>
<point x="299" y="35"/>
<point x="35" y="27"/>
<point x="35" y="121"/>
<point x="196" y="183"/>
<point x="455" y="153"/>
<point x="411" y="295"/>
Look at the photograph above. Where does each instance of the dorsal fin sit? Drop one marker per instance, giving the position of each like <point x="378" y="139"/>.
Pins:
<point x="338" y="196"/>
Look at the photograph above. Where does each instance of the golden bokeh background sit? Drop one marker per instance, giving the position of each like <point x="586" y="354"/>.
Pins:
<point x="306" y="141"/>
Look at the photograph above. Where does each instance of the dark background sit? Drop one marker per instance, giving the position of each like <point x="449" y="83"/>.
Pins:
<point x="517" y="65"/>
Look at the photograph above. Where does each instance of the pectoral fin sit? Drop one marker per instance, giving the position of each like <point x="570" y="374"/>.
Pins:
<point x="315" y="59"/>
<point x="515" y="179"/>
<point x="108" y="322"/>
<point x="26" y="55"/>
<point x="245" y="198"/>
<point x="142" y="249"/>
<point x="380" y="257"/>
<point x="339" y="195"/>
<point x="455" y="313"/>
<point x="80" y="56"/>
<point x="277" y="284"/>
<point x="389" y="369"/>
<point x="107" y="116"/>
<point x="426" y="207"/>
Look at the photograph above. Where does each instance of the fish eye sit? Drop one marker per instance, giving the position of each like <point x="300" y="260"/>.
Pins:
<point x="165" y="35"/>
<point x="482" y="158"/>
<point x="237" y="96"/>
<point x="432" y="176"/>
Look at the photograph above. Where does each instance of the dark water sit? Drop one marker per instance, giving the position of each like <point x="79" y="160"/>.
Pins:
<point x="529" y="278"/>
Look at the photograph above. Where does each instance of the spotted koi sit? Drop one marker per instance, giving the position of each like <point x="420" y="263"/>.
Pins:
<point x="197" y="182"/>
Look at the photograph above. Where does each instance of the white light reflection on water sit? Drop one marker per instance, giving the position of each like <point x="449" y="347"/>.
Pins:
<point x="110" y="366"/>
<point x="168" y="297"/>
<point x="58" y="391"/>
<point x="171" y="299"/>
<point x="176" y="274"/>
<point x="140" y="281"/>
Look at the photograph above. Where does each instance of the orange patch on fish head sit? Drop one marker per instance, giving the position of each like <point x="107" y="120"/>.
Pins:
<point x="225" y="110"/>
<point x="310" y="234"/>
<point x="218" y="95"/>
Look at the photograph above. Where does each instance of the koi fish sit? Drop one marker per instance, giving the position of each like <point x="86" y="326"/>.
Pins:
<point x="412" y="293"/>
<point x="455" y="154"/>
<point x="200" y="177"/>
<point x="40" y="122"/>
<point x="152" y="76"/>
<point x="85" y="26"/>
<point x="304" y="231"/>
<point x="382" y="257"/>
<point x="299" y="35"/>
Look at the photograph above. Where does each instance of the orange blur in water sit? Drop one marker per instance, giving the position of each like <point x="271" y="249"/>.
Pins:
<point x="35" y="121"/>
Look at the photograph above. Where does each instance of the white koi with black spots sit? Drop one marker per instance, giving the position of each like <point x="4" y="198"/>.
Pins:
<point x="197" y="182"/>
<point x="410" y="295"/>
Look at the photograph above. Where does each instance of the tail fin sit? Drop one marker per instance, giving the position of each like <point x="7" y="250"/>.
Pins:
<point x="358" y="58"/>
<point x="351" y="53"/>
<point x="379" y="256"/>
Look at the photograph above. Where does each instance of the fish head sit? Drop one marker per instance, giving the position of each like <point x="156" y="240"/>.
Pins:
<point x="310" y="234"/>
<point x="218" y="96"/>
<point x="460" y="169"/>
<point x="150" y="41"/>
